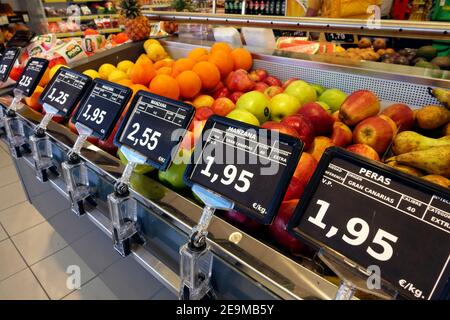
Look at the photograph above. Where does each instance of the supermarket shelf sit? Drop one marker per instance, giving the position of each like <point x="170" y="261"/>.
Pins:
<point x="394" y="28"/>
<point x="17" y="18"/>
<point x="80" y="33"/>
<point x="84" y="18"/>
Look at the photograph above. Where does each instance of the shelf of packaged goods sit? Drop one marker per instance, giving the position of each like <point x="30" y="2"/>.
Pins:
<point x="80" y="33"/>
<point x="390" y="28"/>
<point x="84" y="18"/>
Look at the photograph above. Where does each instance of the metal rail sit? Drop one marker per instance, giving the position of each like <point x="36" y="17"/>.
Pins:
<point x="393" y="28"/>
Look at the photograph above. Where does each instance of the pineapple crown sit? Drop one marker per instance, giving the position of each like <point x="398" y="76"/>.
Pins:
<point x="130" y="8"/>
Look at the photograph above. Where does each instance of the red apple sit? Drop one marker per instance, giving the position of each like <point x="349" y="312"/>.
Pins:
<point x="375" y="132"/>
<point x="222" y="106"/>
<point x="242" y="221"/>
<point x="188" y="141"/>
<point x="108" y="144"/>
<point x="305" y="168"/>
<point x="272" y="125"/>
<point x="303" y="126"/>
<point x="273" y="81"/>
<point x="391" y="123"/>
<point x="335" y="115"/>
<point x="288" y="82"/>
<point x="261" y="86"/>
<point x="16" y="72"/>
<point x="319" y="145"/>
<point x="258" y="75"/>
<point x="223" y="92"/>
<point x="201" y="115"/>
<point x="239" y="81"/>
<point x="364" y="150"/>
<point x="321" y="120"/>
<point x="273" y="91"/>
<point x="401" y="114"/>
<point x="358" y="106"/>
<point x="341" y="135"/>
<point x="235" y="96"/>
<point x="278" y="228"/>
<point x="295" y="189"/>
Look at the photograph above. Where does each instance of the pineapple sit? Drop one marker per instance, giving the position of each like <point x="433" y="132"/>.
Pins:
<point x="137" y="26"/>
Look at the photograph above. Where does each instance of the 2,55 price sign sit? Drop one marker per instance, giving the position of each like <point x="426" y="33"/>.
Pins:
<point x="372" y="214"/>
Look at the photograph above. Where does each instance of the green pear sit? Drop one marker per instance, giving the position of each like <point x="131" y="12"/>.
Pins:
<point x="408" y="141"/>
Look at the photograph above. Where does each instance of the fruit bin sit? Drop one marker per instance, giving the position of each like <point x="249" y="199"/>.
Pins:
<point x="244" y="267"/>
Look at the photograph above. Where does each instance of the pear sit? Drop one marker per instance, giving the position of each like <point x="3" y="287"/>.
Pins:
<point x="434" y="160"/>
<point x="443" y="96"/>
<point x="440" y="180"/>
<point x="408" y="141"/>
<point x="432" y="117"/>
<point x="406" y="169"/>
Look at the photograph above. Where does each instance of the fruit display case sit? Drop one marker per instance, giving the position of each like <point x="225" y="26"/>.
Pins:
<point x="244" y="267"/>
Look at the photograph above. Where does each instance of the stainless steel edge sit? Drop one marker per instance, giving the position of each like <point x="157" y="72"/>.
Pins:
<point x="394" y="28"/>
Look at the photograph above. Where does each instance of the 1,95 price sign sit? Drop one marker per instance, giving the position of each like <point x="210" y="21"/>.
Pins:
<point x="31" y="76"/>
<point x="7" y="63"/>
<point x="154" y="126"/>
<point x="102" y="106"/>
<point x="246" y="164"/>
<point x="373" y="215"/>
<point x="65" y="90"/>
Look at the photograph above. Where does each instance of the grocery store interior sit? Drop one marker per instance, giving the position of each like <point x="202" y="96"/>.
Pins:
<point x="102" y="198"/>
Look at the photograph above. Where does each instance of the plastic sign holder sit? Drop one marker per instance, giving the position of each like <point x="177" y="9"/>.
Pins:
<point x="380" y="230"/>
<point x="60" y="97"/>
<point x="150" y="133"/>
<point x="231" y="168"/>
<point x="99" y="111"/>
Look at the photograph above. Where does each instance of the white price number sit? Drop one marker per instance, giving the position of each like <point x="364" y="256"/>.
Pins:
<point x="230" y="172"/>
<point x="60" y="97"/>
<point x="97" y="115"/>
<point x="25" y="81"/>
<point x="358" y="230"/>
<point x="149" y="137"/>
<point x="3" y="68"/>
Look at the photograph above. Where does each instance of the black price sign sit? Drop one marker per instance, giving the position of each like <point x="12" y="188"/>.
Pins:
<point x="246" y="164"/>
<point x="340" y="37"/>
<point x="9" y="58"/>
<point x="372" y="214"/>
<point x="31" y="76"/>
<point x="102" y="106"/>
<point x="149" y="126"/>
<point x="65" y="90"/>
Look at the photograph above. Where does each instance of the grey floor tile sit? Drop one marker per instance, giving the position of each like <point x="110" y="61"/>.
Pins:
<point x="128" y="280"/>
<point x="95" y="289"/>
<point x="70" y="226"/>
<point x="20" y="217"/>
<point x="22" y="286"/>
<point x="97" y="250"/>
<point x="11" y="194"/>
<point x="38" y="242"/>
<point x="164" y="294"/>
<point x="49" y="208"/>
<point x="55" y="275"/>
<point x="8" y="175"/>
<point x="5" y="159"/>
<point x="3" y="145"/>
<point x="3" y="234"/>
<point x="10" y="260"/>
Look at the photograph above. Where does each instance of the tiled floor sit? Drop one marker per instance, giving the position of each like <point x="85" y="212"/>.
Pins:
<point x="42" y="253"/>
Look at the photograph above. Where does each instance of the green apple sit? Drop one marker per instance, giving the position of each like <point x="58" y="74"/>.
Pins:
<point x="147" y="187"/>
<point x="319" y="89"/>
<point x="243" y="116"/>
<point x="283" y="105"/>
<point x="173" y="177"/>
<point x="334" y="98"/>
<point x="324" y="106"/>
<point x="140" y="168"/>
<point x="256" y="103"/>
<point x="302" y="91"/>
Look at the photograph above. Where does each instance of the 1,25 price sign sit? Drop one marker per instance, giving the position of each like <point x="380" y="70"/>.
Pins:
<point x="372" y="214"/>
<point x="246" y="164"/>
<point x="31" y="76"/>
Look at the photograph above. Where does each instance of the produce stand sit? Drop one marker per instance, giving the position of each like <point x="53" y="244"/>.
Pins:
<point x="244" y="267"/>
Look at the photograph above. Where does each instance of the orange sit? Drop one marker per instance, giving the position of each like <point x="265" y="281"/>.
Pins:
<point x="142" y="73"/>
<point x="221" y="46"/>
<point x="45" y="78"/>
<point x="164" y="70"/>
<point x="163" y="63"/>
<point x="203" y="101"/>
<point x="198" y="54"/>
<point x="166" y="86"/>
<point x="208" y="73"/>
<point x="190" y="84"/>
<point x="33" y="100"/>
<point x="184" y="64"/>
<point x="242" y="59"/>
<point x="223" y="61"/>
<point x="137" y="87"/>
<point x="143" y="58"/>
<point x="125" y="82"/>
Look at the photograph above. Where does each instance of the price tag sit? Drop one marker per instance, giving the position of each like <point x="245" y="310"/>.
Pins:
<point x="150" y="127"/>
<point x="31" y="76"/>
<point x="9" y="58"/>
<point x="340" y="37"/>
<point x="102" y="106"/>
<point x="371" y="214"/>
<point x="246" y="164"/>
<point x="65" y="90"/>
